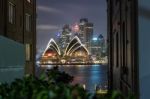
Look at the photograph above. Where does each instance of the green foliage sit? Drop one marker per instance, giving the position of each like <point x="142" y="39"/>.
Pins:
<point x="55" y="76"/>
<point x="54" y="85"/>
<point x="114" y="95"/>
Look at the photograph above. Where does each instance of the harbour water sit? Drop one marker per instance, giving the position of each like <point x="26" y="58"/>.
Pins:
<point x="89" y="76"/>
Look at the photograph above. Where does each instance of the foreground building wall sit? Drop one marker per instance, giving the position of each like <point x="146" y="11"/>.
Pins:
<point x="128" y="39"/>
<point x="18" y="23"/>
<point x="144" y="48"/>
<point x="123" y="45"/>
<point x="12" y="60"/>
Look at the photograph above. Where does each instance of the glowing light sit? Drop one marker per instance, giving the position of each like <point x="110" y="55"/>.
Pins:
<point x="75" y="28"/>
<point x="94" y="39"/>
<point x="49" y="62"/>
<point x="38" y="62"/>
<point x="96" y="61"/>
<point x="49" y="54"/>
<point x="49" y="66"/>
<point x="63" y="61"/>
<point x="58" y="34"/>
<point x="84" y="86"/>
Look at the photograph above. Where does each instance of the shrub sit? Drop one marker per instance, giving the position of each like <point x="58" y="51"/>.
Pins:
<point x="55" y="76"/>
<point x="54" y="85"/>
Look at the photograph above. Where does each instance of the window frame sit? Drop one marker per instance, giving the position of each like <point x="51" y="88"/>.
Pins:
<point x="11" y="13"/>
<point x="29" y="1"/>
<point x="28" y="22"/>
<point x="28" y="51"/>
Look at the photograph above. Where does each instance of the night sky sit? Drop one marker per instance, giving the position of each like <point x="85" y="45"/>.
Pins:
<point x="53" y="14"/>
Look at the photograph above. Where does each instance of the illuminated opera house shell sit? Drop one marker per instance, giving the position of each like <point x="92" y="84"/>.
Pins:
<point x="75" y="45"/>
<point x="52" y="46"/>
<point x="74" y="49"/>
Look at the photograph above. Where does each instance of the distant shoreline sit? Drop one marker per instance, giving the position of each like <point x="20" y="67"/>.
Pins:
<point x="76" y="64"/>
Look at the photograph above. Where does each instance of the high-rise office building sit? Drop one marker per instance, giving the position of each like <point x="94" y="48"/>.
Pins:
<point x="81" y="33"/>
<point x="65" y="37"/>
<point x="18" y="22"/>
<point x="86" y="32"/>
<point x="96" y="48"/>
<point x="88" y="35"/>
<point x="97" y="45"/>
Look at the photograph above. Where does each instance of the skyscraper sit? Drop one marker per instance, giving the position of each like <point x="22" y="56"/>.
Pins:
<point x="86" y="33"/>
<point x="65" y="37"/>
<point x="96" y="46"/>
<point x="82" y="23"/>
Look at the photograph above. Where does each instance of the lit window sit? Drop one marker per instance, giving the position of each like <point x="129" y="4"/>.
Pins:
<point x="28" y="22"/>
<point x="29" y="1"/>
<point x="11" y="13"/>
<point x="28" y="52"/>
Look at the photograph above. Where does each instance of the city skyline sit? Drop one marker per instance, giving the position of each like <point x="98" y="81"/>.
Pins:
<point x="52" y="15"/>
<point x="75" y="45"/>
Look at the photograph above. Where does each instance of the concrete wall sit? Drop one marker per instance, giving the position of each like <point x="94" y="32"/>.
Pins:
<point x="144" y="48"/>
<point x="12" y="60"/>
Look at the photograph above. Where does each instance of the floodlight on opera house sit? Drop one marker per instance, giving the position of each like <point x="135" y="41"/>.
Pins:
<point x="53" y="46"/>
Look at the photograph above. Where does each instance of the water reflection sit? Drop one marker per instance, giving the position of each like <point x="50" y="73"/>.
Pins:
<point x="87" y="75"/>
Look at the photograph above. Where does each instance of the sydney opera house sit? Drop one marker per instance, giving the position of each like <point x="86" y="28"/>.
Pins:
<point x="75" y="52"/>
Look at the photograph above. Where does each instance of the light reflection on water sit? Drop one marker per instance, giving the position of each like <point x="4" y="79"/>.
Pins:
<point x="90" y="75"/>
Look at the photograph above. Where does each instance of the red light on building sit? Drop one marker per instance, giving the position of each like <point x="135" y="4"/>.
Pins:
<point x="75" y="28"/>
<point x="49" y="54"/>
